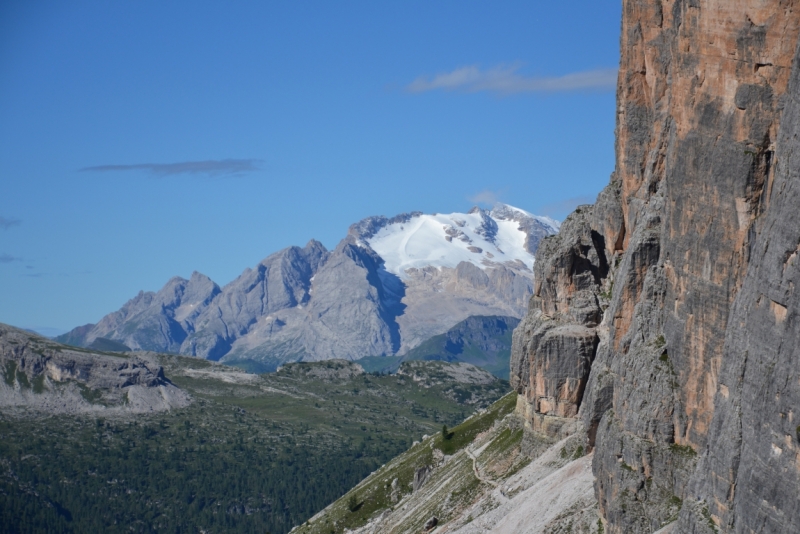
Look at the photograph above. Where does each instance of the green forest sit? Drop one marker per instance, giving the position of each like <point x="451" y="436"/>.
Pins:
<point x="259" y="457"/>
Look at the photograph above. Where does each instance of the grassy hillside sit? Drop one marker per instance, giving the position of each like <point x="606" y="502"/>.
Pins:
<point x="487" y="472"/>
<point x="374" y="495"/>
<point x="251" y="454"/>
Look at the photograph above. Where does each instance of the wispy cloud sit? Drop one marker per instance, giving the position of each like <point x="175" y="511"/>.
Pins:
<point x="8" y="258"/>
<point x="564" y="207"/>
<point x="486" y="197"/>
<point x="504" y="79"/>
<point x="61" y="274"/>
<point x="6" y="222"/>
<point x="210" y="167"/>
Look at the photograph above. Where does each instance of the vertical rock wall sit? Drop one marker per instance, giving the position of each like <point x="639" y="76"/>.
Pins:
<point x="554" y="346"/>
<point x="749" y="478"/>
<point x="664" y="321"/>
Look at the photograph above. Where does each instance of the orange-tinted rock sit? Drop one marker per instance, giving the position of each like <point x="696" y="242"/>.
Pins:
<point x="707" y="130"/>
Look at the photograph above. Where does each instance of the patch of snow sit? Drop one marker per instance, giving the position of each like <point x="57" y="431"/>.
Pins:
<point x="183" y="311"/>
<point x="552" y="223"/>
<point x="445" y="240"/>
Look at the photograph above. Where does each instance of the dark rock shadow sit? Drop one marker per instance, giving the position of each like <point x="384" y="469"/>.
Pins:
<point x="391" y="290"/>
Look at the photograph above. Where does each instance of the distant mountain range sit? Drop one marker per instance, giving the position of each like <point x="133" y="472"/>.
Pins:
<point x="388" y="286"/>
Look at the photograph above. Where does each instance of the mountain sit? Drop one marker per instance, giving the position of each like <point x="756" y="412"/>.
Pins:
<point x="484" y="341"/>
<point x="389" y="285"/>
<point x="481" y="341"/>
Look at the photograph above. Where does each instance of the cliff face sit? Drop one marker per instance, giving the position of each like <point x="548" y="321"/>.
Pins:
<point x="43" y="377"/>
<point x="684" y="274"/>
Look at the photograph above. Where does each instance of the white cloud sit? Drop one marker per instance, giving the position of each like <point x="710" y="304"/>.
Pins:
<point x="564" y="207"/>
<point x="486" y="197"/>
<point x="505" y="79"/>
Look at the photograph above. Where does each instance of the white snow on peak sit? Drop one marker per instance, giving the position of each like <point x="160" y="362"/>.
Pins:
<point x="445" y="240"/>
<point x="499" y="209"/>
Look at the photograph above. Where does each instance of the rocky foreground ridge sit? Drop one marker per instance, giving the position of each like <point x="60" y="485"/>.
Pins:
<point x="51" y="378"/>
<point x="313" y="304"/>
<point x="664" y="322"/>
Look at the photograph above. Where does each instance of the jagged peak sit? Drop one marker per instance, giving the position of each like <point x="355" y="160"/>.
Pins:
<point x="415" y="240"/>
<point x="508" y="212"/>
<point x="313" y="244"/>
<point x="197" y="276"/>
<point x="369" y="226"/>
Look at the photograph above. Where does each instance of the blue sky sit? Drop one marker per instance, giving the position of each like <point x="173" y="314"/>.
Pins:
<point x="143" y="140"/>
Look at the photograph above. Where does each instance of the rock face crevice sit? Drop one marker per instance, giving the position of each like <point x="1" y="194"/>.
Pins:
<point x="691" y="390"/>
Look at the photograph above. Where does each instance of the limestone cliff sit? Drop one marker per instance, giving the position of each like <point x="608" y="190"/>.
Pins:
<point x="664" y="320"/>
<point x="40" y="376"/>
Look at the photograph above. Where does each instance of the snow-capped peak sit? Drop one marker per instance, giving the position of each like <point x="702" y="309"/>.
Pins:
<point x="504" y="235"/>
<point x="505" y="211"/>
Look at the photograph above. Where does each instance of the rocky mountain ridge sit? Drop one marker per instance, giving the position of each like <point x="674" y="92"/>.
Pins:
<point x="663" y="325"/>
<point x="313" y="304"/>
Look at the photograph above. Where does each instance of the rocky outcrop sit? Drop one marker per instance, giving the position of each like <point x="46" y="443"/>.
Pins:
<point x="688" y="401"/>
<point x="435" y="373"/>
<point x="554" y="346"/>
<point x="42" y="376"/>
<point x="331" y="370"/>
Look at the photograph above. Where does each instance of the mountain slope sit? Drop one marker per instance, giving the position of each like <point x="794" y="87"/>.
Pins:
<point x="488" y="474"/>
<point x="387" y="287"/>
<point x="481" y="341"/>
